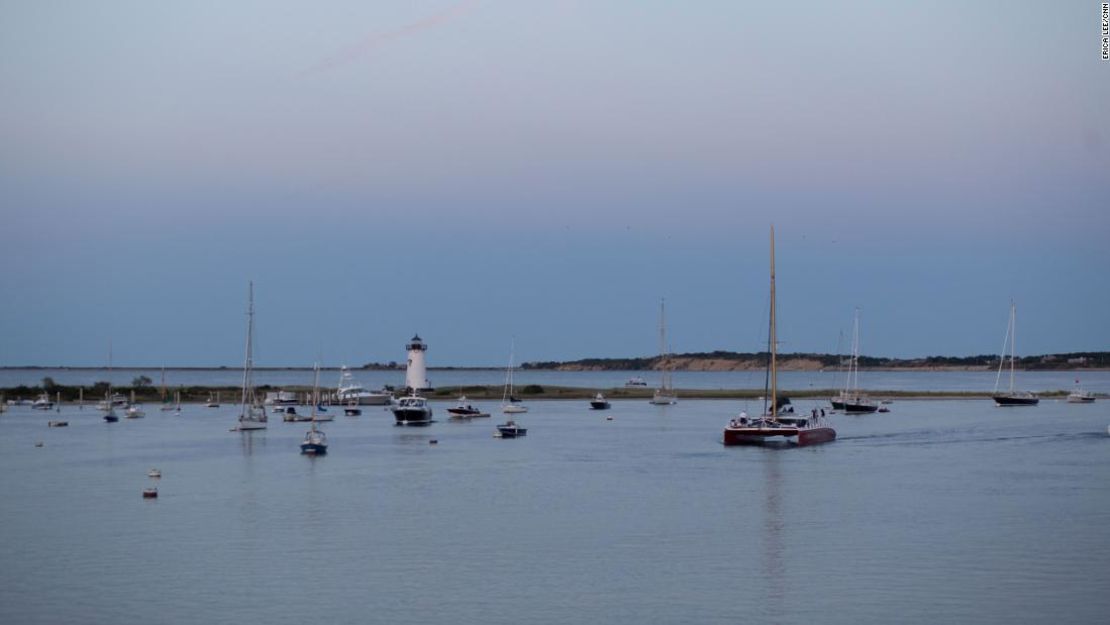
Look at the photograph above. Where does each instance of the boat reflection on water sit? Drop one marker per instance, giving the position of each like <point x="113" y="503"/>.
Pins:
<point x="773" y="565"/>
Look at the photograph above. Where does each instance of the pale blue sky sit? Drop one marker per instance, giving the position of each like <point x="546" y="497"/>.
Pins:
<point x="481" y="169"/>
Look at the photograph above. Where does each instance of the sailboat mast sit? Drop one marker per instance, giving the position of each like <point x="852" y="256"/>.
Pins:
<point x="248" y="358"/>
<point x="774" y="340"/>
<point x="1013" y="342"/>
<point x="853" y="373"/>
<point x="663" y="343"/>
<point x="508" y="394"/>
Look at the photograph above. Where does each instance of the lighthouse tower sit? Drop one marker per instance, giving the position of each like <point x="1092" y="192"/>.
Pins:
<point x="416" y="377"/>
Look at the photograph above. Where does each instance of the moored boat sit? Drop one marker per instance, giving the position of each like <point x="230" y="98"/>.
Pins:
<point x="465" y="410"/>
<point x="511" y="429"/>
<point x="412" y="410"/>
<point x="252" y="416"/>
<point x="1011" y="397"/>
<point x="1080" y="396"/>
<point x="315" y="441"/>
<point x="599" y="402"/>
<point x="664" y="395"/>
<point x="851" y="400"/>
<point x="509" y="403"/>
<point x="43" y="402"/>
<point x="351" y="392"/>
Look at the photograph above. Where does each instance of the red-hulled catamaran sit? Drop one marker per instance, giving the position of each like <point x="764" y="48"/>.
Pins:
<point x="774" y="427"/>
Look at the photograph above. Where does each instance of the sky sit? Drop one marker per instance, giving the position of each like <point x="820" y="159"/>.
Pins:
<point x="484" y="171"/>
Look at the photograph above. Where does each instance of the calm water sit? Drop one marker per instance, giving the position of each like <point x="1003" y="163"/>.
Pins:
<point x="1040" y="381"/>
<point x="940" y="511"/>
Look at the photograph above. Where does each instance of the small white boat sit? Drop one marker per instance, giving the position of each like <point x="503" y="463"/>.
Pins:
<point x="57" y="424"/>
<point x="351" y="392"/>
<point x="633" y="382"/>
<point x="134" y="409"/>
<point x="1080" y="396"/>
<point x="43" y="402"/>
<point x="280" y="398"/>
<point x="154" y="473"/>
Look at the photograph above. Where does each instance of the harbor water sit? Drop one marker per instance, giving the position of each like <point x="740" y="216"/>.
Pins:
<point x="939" y="511"/>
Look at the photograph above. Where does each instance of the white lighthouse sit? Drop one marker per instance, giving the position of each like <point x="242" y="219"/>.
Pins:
<point x="416" y="377"/>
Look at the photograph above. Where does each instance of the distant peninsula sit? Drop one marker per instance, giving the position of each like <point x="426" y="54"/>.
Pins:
<point x="740" y="361"/>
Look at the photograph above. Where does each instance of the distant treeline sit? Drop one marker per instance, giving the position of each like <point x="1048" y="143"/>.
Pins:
<point x="1073" y="360"/>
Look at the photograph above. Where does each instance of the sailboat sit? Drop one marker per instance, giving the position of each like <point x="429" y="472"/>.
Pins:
<point x="251" y="415"/>
<point x="167" y="405"/>
<point x="664" y="395"/>
<point x="135" y="409"/>
<point x="509" y="403"/>
<point x="110" y="415"/>
<point x="319" y="413"/>
<point x="1011" y="397"/>
<point x="850" y="400"/>
<point x="773" y="427"/>
<point x="315" y="441"/>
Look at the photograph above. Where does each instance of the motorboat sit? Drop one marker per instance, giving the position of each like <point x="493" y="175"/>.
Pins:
<point x="289" y="415"/>
<point x="116" y="401"/>
<point x="412" y="410"/>
<point x="464" y="410"/>
<point x="635" y="381"/>
<point x="280" y="398"/>
<point x="43" y="402"/>
<point x="599" y="402"/>
<point x="349" y="391"/>
<point x="135" y="411"/>
<point x="1080" y="396"/>
<point x="511" y="429"/>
